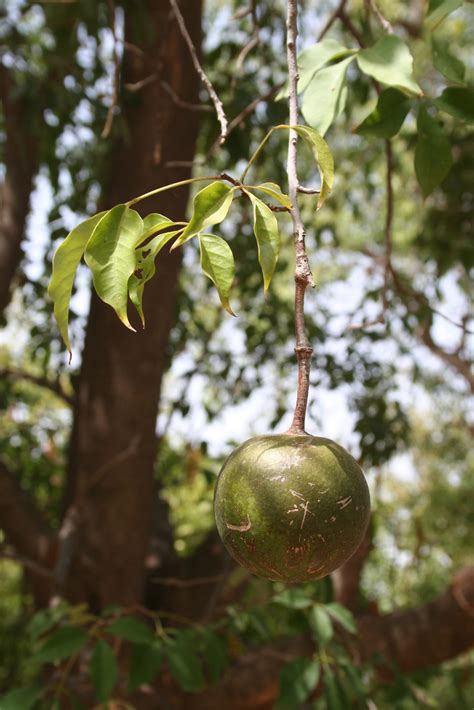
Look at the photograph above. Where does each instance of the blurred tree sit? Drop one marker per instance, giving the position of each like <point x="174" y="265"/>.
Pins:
<point x="101" y="102"/>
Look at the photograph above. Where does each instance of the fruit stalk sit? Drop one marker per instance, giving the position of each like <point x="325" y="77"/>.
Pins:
<point x="303" y="276"/>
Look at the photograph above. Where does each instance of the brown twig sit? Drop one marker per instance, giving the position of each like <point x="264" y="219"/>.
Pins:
<point x="332" y="18"/>
<point x="385" y="24"/>
<point x="7" y="554"/>
<point x="116" y="80"/>
<point x="221" y="117"/>
<point x="184" y="104"/>
<point x="388" y="241"/>
<point x="303" y="276"/>
<point x="139" y="85"/>
<point x="251" y="44"/>
<point x="52" y="385"/>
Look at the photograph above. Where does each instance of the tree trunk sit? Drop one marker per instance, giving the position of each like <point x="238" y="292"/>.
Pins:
<point x="110" y="492"/>
<point x="21" y="164"/>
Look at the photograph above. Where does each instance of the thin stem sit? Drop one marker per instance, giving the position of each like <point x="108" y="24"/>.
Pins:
<point x="303" y="276"/>
<point x="221" y="117"/>
<point x="171" y="186"/>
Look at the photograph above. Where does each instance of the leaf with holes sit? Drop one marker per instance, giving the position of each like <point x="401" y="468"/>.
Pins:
<point x="145" y="268"/>
<point x="389" y="61"/>
<point x="210" y="206"/>
<point x="267" y="234"/>
<point x="110" y="255"/>
<point x="103" y="670"/>
<point x="387" y="118"/>
<point x="298" y="678"/>
<point x="217" y="262"/>
<point x="273" y="190"/>
<point x="325" y="96"/>
<point x="65" y="263"/>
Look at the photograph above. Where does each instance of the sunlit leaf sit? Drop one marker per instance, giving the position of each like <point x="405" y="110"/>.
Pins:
<point x="145" y="268"/>
<point x="458" y="102"/>
<point x="152" y="224"/>
<point x="210" y="206"/>
<point x="433" y="157"/>
<point x="103" y="670"/>
<point x="273" y="190"/>
<point x="450" y="66"/>
<point x="293" y="599"/>
<point x="323" y="157"/>
<point x="267" y="234"/>
<point x="440" y="13"/>
<point x="131" y="630"/>
<point x="65" y="263"/>
<point x="314" y="58"/>
<point x="63" y="643"/>
<point x="389" y="61"/>
<point x="217" y="262"/>
<point x="343" y="616"/>
<point x="325" y="96"/>
<point x="298" y="678"/>
<point x="145" y="663"/>
<point x="387" y="118"/>
<point x="321" y="624"/>
<point x="110" y="254"/>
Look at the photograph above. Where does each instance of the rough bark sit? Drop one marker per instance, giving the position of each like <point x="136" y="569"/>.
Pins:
<point x="21" y="164"/>
<point x="110" y="492"/>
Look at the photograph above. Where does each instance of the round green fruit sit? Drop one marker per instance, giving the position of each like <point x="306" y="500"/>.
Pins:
<point x="290" y="507"/>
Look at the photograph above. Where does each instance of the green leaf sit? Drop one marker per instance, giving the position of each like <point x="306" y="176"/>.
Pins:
<point x="325" y="96"/>
<point x="273" y="190"/>
<point x="265" y="227"/>
<point x="433" y="158"/>
<point x="387" y="118"/>
<point x="321" y="624"/>
<point x="184" y="664"/>
<point x="217" y="262"/>
<point x="153" y="223"/>
<point x="65" y="263"/>
<point x="458" y="102"/>
<point x="215" y="653"/>
<point x="314" y="58"/>
<point x="20" y="699"/>
<point x="103" y="670"/>
<point x="110" y="254"/>
<point x="323" y="157"/>
<point x="145" y="663"/>
<point x="131" y="630"/>
<point x="450" y="66"/>
<point x="343" y="616"/>
<point x="210" y="206"/>
<point x="145" y="268"/>
<point x="63" y="643"/>
<point x="389" y="61"/>
<point x="440" y="13"/>
<point x="333" y="692"/>
<point x="293" y="599"/>
<point x="298" y="678"/>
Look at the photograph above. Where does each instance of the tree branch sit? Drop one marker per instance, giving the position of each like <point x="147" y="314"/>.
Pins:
<point x="303" y="276"/>
<point x="52" y="385"/>
<point x="221" y="117"/>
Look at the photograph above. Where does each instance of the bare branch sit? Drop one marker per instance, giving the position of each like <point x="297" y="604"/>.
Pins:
<point x="332" y="18"/>
<point x="386" y="25"/>
<point x="221" y="117"/>
<point x="308" y="190"/>
<point x="184" y="104"/>
<point x="116" y="78"/>
<point x="52" y="385"/>
<point x="303" y="276"/>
